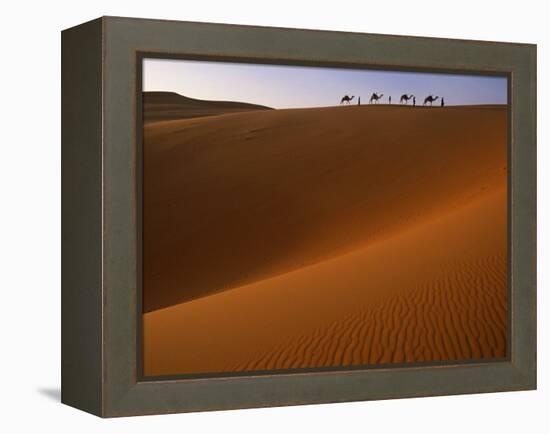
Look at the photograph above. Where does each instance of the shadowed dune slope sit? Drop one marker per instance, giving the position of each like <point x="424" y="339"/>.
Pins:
<point x="161" y="106"/>
<point x="234" y="199"/>
<point x="432" y="291"/>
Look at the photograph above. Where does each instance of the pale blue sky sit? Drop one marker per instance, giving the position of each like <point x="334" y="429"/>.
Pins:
<point x="300" y="86"/>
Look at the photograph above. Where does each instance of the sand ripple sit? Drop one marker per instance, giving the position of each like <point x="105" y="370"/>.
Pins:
<point x="459" y="317"/>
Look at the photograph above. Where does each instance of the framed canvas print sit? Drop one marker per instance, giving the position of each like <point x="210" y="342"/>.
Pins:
<point x="260" y="216"/>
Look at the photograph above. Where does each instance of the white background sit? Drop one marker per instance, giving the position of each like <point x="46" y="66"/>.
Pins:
<point x="30" y="215"/>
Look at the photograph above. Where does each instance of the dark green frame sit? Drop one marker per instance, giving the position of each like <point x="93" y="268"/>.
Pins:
<point x="101" y="201"/>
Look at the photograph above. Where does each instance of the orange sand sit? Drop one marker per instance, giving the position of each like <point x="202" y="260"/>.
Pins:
<point x="324" y="237"/>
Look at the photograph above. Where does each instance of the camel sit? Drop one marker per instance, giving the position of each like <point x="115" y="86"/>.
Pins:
<point x="375" y="97"/>
<point x="430" y="99"/>
<point x="346" y="99"/>
<point x="405" y="98"/>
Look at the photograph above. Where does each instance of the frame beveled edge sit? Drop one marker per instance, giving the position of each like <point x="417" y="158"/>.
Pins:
<point x="123" y="394"/>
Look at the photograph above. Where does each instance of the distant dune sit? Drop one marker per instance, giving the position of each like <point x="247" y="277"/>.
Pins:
<point x="324" y="237"/>
<point x="161" y="106"/>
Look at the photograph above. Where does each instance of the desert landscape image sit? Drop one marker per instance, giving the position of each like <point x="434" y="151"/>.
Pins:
<point x="304" y="218"/>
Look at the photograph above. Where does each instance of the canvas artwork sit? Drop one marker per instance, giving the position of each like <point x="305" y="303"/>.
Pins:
<point x="307" y="217"/>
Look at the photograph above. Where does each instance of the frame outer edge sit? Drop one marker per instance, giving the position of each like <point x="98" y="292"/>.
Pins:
<point x="524" y="216"/>
<point x="81" y="213"/>
<point x="529" y="366"/>
<point x="123" y="393"/>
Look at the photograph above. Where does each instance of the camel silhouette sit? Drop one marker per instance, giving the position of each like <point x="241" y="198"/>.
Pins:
<point x="405" y="98"/>
<point x="430" y="99"/>
<point x="375" y="97"/>
<point x="346" y="99"/>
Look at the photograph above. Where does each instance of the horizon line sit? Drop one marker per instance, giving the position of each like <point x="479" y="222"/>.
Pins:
<point x="398" y="104"/>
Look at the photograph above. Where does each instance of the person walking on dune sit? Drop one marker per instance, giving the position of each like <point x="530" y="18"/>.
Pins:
<point x="442" y="102"/>
<point x="414" y="101"/>
<point x="359" y="101"/>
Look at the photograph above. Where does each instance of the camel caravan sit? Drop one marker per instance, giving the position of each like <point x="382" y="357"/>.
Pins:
<point x="403" y="100"/>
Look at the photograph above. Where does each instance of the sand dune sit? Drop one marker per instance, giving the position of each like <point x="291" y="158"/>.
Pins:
<point x="324" y="237"/>
<point x="161" y="106"/>
<point x="237" y="198"/>
<point x="434" y="291"/>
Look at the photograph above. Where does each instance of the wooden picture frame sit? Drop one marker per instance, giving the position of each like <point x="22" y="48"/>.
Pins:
<point x="101" y="217"/>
